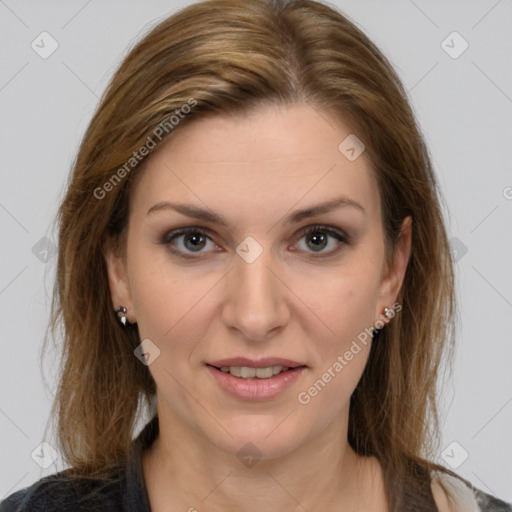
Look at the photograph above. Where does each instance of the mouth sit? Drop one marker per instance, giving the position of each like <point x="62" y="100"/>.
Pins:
<point x="248" y="372"/>
<point x="244" y="368"/>
<point x="255" y="380"/>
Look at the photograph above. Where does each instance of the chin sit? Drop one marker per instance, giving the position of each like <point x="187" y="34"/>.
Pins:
<point x="266" y="437"/>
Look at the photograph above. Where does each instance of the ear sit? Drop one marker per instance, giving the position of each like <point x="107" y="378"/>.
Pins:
<point x="118" y="280"/>
<point x="394" y="271"/>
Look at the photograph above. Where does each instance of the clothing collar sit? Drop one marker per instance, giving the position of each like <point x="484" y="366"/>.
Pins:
<point x="135" y="496"/>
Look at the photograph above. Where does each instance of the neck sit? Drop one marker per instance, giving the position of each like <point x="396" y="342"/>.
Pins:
<point x="186" y="470"/>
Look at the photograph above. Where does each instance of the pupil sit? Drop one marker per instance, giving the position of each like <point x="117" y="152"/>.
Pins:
<point x="318" y="237"/>
<point x="196" y="241"/>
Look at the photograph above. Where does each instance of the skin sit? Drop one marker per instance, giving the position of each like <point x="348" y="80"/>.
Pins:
<point x="292" y="301"/>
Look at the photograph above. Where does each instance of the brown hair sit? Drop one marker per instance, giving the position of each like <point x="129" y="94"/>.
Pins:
<point x="227" y="56"/>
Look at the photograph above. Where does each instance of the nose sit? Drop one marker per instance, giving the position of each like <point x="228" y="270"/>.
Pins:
<point x="255" y="298"/>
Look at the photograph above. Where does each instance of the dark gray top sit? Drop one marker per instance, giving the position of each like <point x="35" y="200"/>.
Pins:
<point x="127" y="492"/>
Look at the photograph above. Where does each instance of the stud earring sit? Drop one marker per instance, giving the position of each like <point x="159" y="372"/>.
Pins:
<point x="121" y="313"/>
<point x="389" y="313"/>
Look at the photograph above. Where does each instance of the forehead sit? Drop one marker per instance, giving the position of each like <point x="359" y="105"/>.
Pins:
<point x="272" y="156"/>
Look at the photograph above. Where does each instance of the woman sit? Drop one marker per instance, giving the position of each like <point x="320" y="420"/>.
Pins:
<point x="252" y="256"/>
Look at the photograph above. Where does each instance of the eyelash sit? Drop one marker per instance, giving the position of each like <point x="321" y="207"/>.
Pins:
<point x="340" y="236"/>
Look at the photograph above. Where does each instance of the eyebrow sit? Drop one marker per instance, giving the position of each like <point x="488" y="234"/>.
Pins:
<point x="205" y="215"/>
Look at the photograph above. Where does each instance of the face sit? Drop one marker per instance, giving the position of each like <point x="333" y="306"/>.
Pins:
<point x="233" y="276"/>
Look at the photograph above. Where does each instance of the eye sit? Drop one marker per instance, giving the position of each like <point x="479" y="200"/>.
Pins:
<point x="186" y="242"/>
<point x="317" y="239"/>
<point x="190" y="239"/>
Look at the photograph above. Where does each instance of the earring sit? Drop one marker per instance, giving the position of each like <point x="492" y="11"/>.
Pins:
<point x="121" y="313"/>
<point x="389" y="313"/>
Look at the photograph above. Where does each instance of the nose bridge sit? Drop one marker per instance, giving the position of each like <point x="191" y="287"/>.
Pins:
<point x="255" y="304"/>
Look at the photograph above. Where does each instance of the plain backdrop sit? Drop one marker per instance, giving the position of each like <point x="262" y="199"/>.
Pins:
<point x="462" y="98"/>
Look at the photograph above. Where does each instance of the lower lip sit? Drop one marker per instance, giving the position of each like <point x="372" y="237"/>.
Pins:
<point x="256" y="389"/>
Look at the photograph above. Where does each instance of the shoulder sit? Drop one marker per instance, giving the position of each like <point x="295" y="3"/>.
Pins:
<point x="454" y="494"/>
<point x="58" y="492"/>
<point x="123" y="488"/>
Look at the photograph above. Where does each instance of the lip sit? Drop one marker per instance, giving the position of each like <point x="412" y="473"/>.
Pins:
<point x="256" y="363"/>
<point x="255" y="389"/>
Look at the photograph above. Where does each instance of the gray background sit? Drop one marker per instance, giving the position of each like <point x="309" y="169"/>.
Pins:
<point x="464" y="106"/>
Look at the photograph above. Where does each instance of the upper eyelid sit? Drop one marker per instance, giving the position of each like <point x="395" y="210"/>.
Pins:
<point x="210" y="232"/>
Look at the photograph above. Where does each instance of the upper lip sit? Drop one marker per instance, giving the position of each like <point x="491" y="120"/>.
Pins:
<point x="255" y="363"/>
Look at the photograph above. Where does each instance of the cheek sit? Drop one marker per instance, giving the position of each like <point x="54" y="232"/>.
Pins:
<point x="171" y="311"/>
<point x="161" y="304"/>
<point x="342" y="301"/>
<point x="341" y="351"/>
<point x="340" y="334"/>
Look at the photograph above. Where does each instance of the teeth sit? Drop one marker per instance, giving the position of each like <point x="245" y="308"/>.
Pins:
<point x="249" y="373"/>
<point x="236" y="371"/>
<point x="264" y="373"/>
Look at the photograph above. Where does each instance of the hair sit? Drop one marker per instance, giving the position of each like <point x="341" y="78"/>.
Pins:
<point x="232" y="57"/>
